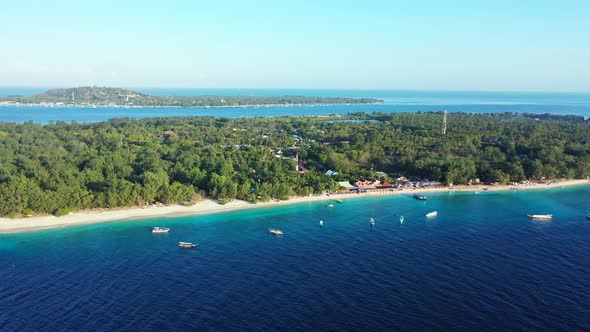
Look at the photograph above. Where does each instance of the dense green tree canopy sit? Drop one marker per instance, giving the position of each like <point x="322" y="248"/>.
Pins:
<point x="122" y="162"/>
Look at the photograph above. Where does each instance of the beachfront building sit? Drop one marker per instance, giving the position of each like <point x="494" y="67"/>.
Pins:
<point x="384" y="185"/>
<point x="367" y="185"/>
<point x="428" y="184"/>
<point x="346" y="185"/>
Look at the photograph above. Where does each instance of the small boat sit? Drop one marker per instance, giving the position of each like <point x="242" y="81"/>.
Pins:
<point x="321" y="223"/>
<point x="432" y="214"/>
<point x="187" y="245"/>
<point x="160" y="230"/>
<point x="330" y="205"/>
<point x="540" y="216"/>
<point x="372" y="222"/>
<point x="588" y="216"/>
<point x="420" y="197"/>
<point x="275" y="231"/>
<point x="401" y="219"/>
<point x="338" y="200"/>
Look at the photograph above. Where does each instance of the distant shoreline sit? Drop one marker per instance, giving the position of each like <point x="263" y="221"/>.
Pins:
<point x="175" y="106"/>
<point x="208" y="206"/>
<point x="93" y="96"/>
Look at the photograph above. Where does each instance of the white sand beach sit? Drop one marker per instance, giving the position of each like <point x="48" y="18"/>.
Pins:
<point x="208" y="206"/>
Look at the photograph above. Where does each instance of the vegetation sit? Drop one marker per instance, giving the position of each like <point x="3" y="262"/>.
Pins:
<point x="61" y="167"/>
<point x="115" y="96"/>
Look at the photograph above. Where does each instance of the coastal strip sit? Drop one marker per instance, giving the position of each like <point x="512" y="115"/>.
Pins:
<point x="58" y="105"/>
<point x="208" y="206"/>
<point x="108" y="96"/>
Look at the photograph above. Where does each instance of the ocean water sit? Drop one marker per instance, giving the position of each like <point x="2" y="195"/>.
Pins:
<point x="394" y="101"/>
<point x="480" y="265"/>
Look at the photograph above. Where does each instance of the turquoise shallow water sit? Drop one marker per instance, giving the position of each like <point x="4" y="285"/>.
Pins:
<point x="481" y="264"/>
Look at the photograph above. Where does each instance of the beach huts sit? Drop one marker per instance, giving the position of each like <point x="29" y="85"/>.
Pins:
<point x="347" y="186"/>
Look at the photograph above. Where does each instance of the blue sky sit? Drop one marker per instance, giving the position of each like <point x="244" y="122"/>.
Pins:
<point x="418" y="45"/>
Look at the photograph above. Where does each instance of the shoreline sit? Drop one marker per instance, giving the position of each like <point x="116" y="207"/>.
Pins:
<point x="209" y="206"/>
<point x="53" y="105"/>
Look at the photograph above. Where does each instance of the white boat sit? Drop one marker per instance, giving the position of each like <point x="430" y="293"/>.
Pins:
<point x="588" y="216"/>
<point x="321" y="223"/>
<point x="372" y="222"/>
<point x="401" y="219"/>
<point x="330" y="205"/>
<point x="540" y="216"/>
<point x="432" y="214"/>
<point x="187" y="245"/>
<point x="275" y="231"/>
<point x="160" y="230"/>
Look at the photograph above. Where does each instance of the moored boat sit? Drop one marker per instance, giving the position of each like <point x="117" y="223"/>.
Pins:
<point x="160" y="230"/>
<point x="187" y="245"/>
<point x="420" y="197"/>
<point x="540" y="216"/>
<point x="432" y="214"/>
<point x="330" y="205"/>
<point x="275" y="231"/>
<point x="588" y="216"/>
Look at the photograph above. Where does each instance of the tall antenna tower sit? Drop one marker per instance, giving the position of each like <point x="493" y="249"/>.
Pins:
<point x="444" y="129"/>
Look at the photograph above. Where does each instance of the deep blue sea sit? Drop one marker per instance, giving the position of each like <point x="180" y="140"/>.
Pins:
<point x="394" y="101"/>
<point x="480" y="265"/>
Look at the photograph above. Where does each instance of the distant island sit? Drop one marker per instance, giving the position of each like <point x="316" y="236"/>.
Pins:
<point x="106" y="96"/>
